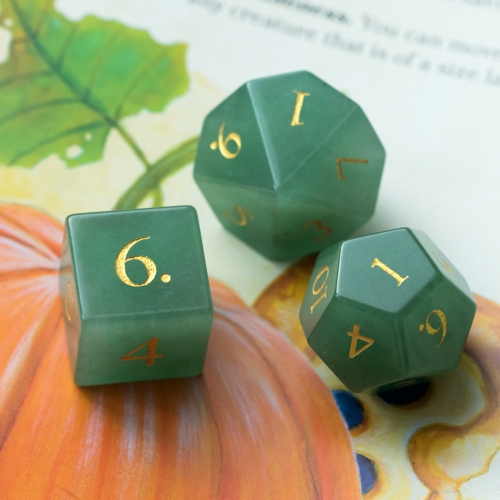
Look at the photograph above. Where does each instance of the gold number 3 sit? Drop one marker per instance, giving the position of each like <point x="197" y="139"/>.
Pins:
<point x="222" y="143"/>
<point x="432" y="331"/>
<point x="122" y="259"/>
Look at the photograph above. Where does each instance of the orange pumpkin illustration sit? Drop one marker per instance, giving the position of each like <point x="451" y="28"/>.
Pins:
<point x="258" y="424"/>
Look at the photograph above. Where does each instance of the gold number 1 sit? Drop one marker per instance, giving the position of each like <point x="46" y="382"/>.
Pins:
<point x="299" y="102"/>
<point x="389" y="271"/>
<point x="149" y="357"/>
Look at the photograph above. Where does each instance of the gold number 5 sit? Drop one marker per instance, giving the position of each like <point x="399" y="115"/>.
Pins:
<point x="222" y="143"/>
<point x="122" y="259"/>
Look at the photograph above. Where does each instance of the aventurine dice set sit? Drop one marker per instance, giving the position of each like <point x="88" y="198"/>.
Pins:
<point x="290" y="166"/>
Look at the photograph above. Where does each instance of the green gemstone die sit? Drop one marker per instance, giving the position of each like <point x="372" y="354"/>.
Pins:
<point x="289" y="165"/>
<point x="385" y="309"/>
<point x="135" y="293"/>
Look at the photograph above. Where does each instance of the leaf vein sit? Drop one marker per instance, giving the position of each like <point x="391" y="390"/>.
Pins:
<point x="36" y="107"/>
<point x="24" y="76"/>
<point x="69" y="83"/>
<point x="61" y="135"/>
<point x="129" y="90"/>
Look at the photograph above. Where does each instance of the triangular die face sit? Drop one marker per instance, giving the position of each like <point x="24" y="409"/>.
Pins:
<point x="345" y="171"/>
<point x="310" y="225"/>
<point x="243" y="212"/>
<point x="231" y="148"/>
<point x="296" y="113"/>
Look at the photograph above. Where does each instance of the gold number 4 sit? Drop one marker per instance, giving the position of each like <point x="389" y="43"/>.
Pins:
<point x="150" y="266"/>
<point x="222" y="143"/>
<point x="354" y="342"/>
<point x="149" y="357"/>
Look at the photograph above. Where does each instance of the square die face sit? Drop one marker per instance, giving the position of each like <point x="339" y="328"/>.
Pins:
<point x="169" y="277"/>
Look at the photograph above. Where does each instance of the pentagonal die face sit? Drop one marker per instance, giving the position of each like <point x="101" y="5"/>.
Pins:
<point x="382" y="316"/>
<point x="436" y="327"/>
<point x="297" y="143"/>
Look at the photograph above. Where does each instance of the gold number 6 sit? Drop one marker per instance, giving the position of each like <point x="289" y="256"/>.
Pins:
<point x="222" y="143"/>
<point x="433" y="331"/>
<point x="122" y="259"/>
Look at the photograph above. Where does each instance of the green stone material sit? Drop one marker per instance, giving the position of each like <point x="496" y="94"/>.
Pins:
<point x="289" y="174"/>
<point x="158" y="299"/>
<point x="387" y="310"/>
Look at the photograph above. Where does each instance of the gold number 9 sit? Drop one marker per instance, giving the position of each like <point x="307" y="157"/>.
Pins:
<point x="222" y="143"/>
<point x="122" y="259"/>
<point x="433" y="331"/>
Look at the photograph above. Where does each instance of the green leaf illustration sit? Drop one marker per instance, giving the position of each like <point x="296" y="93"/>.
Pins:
<point x="66" y="84"/>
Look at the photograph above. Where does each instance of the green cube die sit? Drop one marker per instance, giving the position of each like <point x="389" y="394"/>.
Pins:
<point x="136" y="296"/>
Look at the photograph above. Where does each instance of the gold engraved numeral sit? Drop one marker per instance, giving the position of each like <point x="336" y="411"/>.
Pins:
<point x="222" y="143"/>
<point x="389" y="271"/>
<point x="431" y="330"/>
<point x="354" y="342"/>
<point x="319" y="227"/>
<point x="325" y="272"/>
<point x="347" y="160"/>
<point x="299" y="102"/>
<point x="445" y="265"/>
<point x="69" y="302"/>
<point x="244" y="216"/>
<point x="149" y="357"/>
<point x="150" y="266"/>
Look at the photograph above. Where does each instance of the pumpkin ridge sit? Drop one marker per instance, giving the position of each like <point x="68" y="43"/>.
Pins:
<point x="21" y="273"/>
<point x="219" y="441"/>
<point x="311" y="463"/>
<point x="33" y="236"/>
<point x="17" y="400"/>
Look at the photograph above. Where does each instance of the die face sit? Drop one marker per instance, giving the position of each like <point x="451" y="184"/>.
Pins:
<point x="344" y="172"/>
<point x="246" y="213"/>
<point x="169" y="238"/>
<point x="140" y="280"/>
<point x="436" y="328"/>
<point x="305" y="143"/>
<point x="447" y="269"/>
<point x="385" y="271"/>
<point x="363" y="348"/>
<point x="358" y="343"/>
<point x="297" y="112"/>
<point x="122" y="351"/>
<point x="230" y="149"/>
